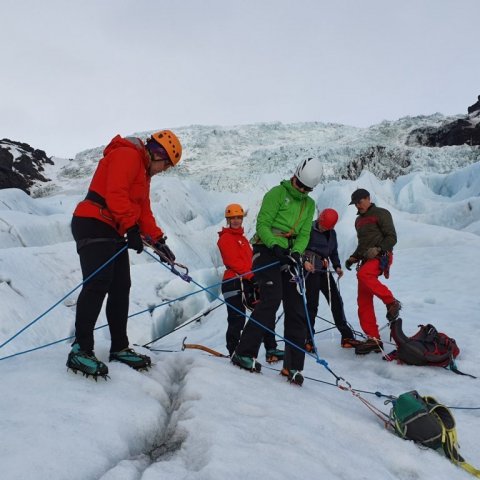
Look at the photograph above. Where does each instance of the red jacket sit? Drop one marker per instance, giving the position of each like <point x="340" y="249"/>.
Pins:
<point x="122" y="180"/>
<point x="236" y="252"/>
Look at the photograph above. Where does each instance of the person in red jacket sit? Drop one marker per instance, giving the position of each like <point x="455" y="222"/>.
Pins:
<point x="237" y="288"/>
<point x="117" y="205"/>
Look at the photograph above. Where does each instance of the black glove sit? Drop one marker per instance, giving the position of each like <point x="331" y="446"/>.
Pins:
<point x="250" y="291"/>
<point x="134" y="239"/>
<point x="350" y="262"/>
<point x="295" y="259"/>
<point x="163" y="249"/>
<point x="282" y="254"/>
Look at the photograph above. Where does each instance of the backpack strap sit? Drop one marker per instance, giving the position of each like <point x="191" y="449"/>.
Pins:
<point x="452" y="366"/>
<point x="449" y="435"/>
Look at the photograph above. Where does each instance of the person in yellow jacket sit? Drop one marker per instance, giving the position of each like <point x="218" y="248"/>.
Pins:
<point x="282" y="234"/>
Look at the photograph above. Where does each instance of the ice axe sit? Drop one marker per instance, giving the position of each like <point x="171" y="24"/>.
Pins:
<point x="202" y="347"/>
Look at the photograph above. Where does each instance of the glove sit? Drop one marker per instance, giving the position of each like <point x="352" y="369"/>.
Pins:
<point x="134" y="239"/>
<point x="281" y="254"/>
<point x="295" y="259"/>
<point x="251" y="293"/>
<point x="350" y="262"/>
<point x="372" y="252"/>
<point x="163" y="251"/>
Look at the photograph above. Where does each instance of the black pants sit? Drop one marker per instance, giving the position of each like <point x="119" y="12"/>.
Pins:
<point x="232" y="292"/>
<point x="275" y="287"/>
<point x="316" y="282"/>
<point x="113" y="280"/>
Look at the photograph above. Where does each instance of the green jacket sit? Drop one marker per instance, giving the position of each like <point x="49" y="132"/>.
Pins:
<point x="374" y="229"/>
<point x="285" y="208"/>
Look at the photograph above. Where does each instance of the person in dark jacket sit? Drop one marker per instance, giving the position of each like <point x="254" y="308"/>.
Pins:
<point x="282" y="233"/>
<point x="237" y="285"/>
<point x="374" y="254"/>
<point x="117" y="205"/>
<point x="322" y="249"/>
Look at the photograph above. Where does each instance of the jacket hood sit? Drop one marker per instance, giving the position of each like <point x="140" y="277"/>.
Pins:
<point x="231" y="231"/>
<point x="134" y="143"/>
<point x="287" y="184"/>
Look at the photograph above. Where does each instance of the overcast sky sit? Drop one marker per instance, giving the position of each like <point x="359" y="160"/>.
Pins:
<point x="75" y="73"/>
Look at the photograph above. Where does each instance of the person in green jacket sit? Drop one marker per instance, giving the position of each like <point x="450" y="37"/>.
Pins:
<point x="282" y="234"/>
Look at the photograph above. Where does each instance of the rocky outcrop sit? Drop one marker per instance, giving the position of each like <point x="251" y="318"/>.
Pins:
<point x="475" y="108"/>
<point x="463" y="131"/>
<point x="383" y="162"/>
<point x="21" y="165"/>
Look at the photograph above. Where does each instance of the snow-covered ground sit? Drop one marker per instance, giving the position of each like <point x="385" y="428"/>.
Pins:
<point x="193" y="416"/>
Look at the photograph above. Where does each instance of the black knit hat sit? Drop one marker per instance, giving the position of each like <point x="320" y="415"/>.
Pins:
<point x="357" y="195"/>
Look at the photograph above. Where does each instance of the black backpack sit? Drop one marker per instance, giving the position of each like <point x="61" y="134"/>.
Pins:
<point x="427" y="347"/>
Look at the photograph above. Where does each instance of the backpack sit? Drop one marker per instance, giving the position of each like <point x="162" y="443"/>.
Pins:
<point x="428" y="423"/>
<point x="427" y="347"/>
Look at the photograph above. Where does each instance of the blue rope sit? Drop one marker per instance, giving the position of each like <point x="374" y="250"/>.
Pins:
<point x="202" y="289"/>
<point x="130" y="316"/>
<point x="64" y="297"/>
<point x="317" y="358"/>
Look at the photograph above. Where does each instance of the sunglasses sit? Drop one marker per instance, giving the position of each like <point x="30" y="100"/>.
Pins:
<point x="159" y="152"/>
<point x="303" y="186"/>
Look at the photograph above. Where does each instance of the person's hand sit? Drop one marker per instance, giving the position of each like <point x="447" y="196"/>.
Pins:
<point x="295" y="259"/>
<point x="309" y="267"/>
<point x="282" y="254"/>
<point x="372" y="252"/>
<point x="350" y="261"/>
<point x="339" y="272"/>
<point x="163" y="251"/>
<point x="134" y="239"/>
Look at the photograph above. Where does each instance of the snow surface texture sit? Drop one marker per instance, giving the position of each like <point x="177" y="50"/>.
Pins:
<point x="193" y="416"/>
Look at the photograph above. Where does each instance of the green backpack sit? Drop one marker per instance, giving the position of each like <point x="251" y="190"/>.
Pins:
<point x="429" y="423"/>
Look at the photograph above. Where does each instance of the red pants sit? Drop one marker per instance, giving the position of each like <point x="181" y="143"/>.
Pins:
<point x="368" y="286"/>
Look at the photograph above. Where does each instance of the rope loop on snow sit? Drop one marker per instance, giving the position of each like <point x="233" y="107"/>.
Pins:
<point x="65" y="296"/>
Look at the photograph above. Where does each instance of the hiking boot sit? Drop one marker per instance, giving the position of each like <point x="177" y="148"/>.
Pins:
<point x="293" y="376"/>
<point x="310" y="347"/>
<point x="369" y="345"/>
<point x="393" y="309"/>
<point x="350" y="342"/>
<point x="131" y="358"/>
<point x="274" y="355"/>
<point x="86" y="362"/>
<point x="245" y="362"/>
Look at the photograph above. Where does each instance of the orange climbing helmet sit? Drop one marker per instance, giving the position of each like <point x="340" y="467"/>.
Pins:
<point x="234" y="210"/>
<point x="170" y="142"/>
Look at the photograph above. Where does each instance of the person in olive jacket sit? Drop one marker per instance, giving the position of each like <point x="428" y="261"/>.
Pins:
<point x="374" y="254"/>
<point x="282" y="234"/>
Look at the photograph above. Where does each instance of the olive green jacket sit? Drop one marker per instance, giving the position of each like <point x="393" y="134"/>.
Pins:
<point x="374" y="229"/>
<point x="285" y="209"/>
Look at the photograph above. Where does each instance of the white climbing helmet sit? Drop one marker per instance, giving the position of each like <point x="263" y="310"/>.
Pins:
<point x="309" y="172"/>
